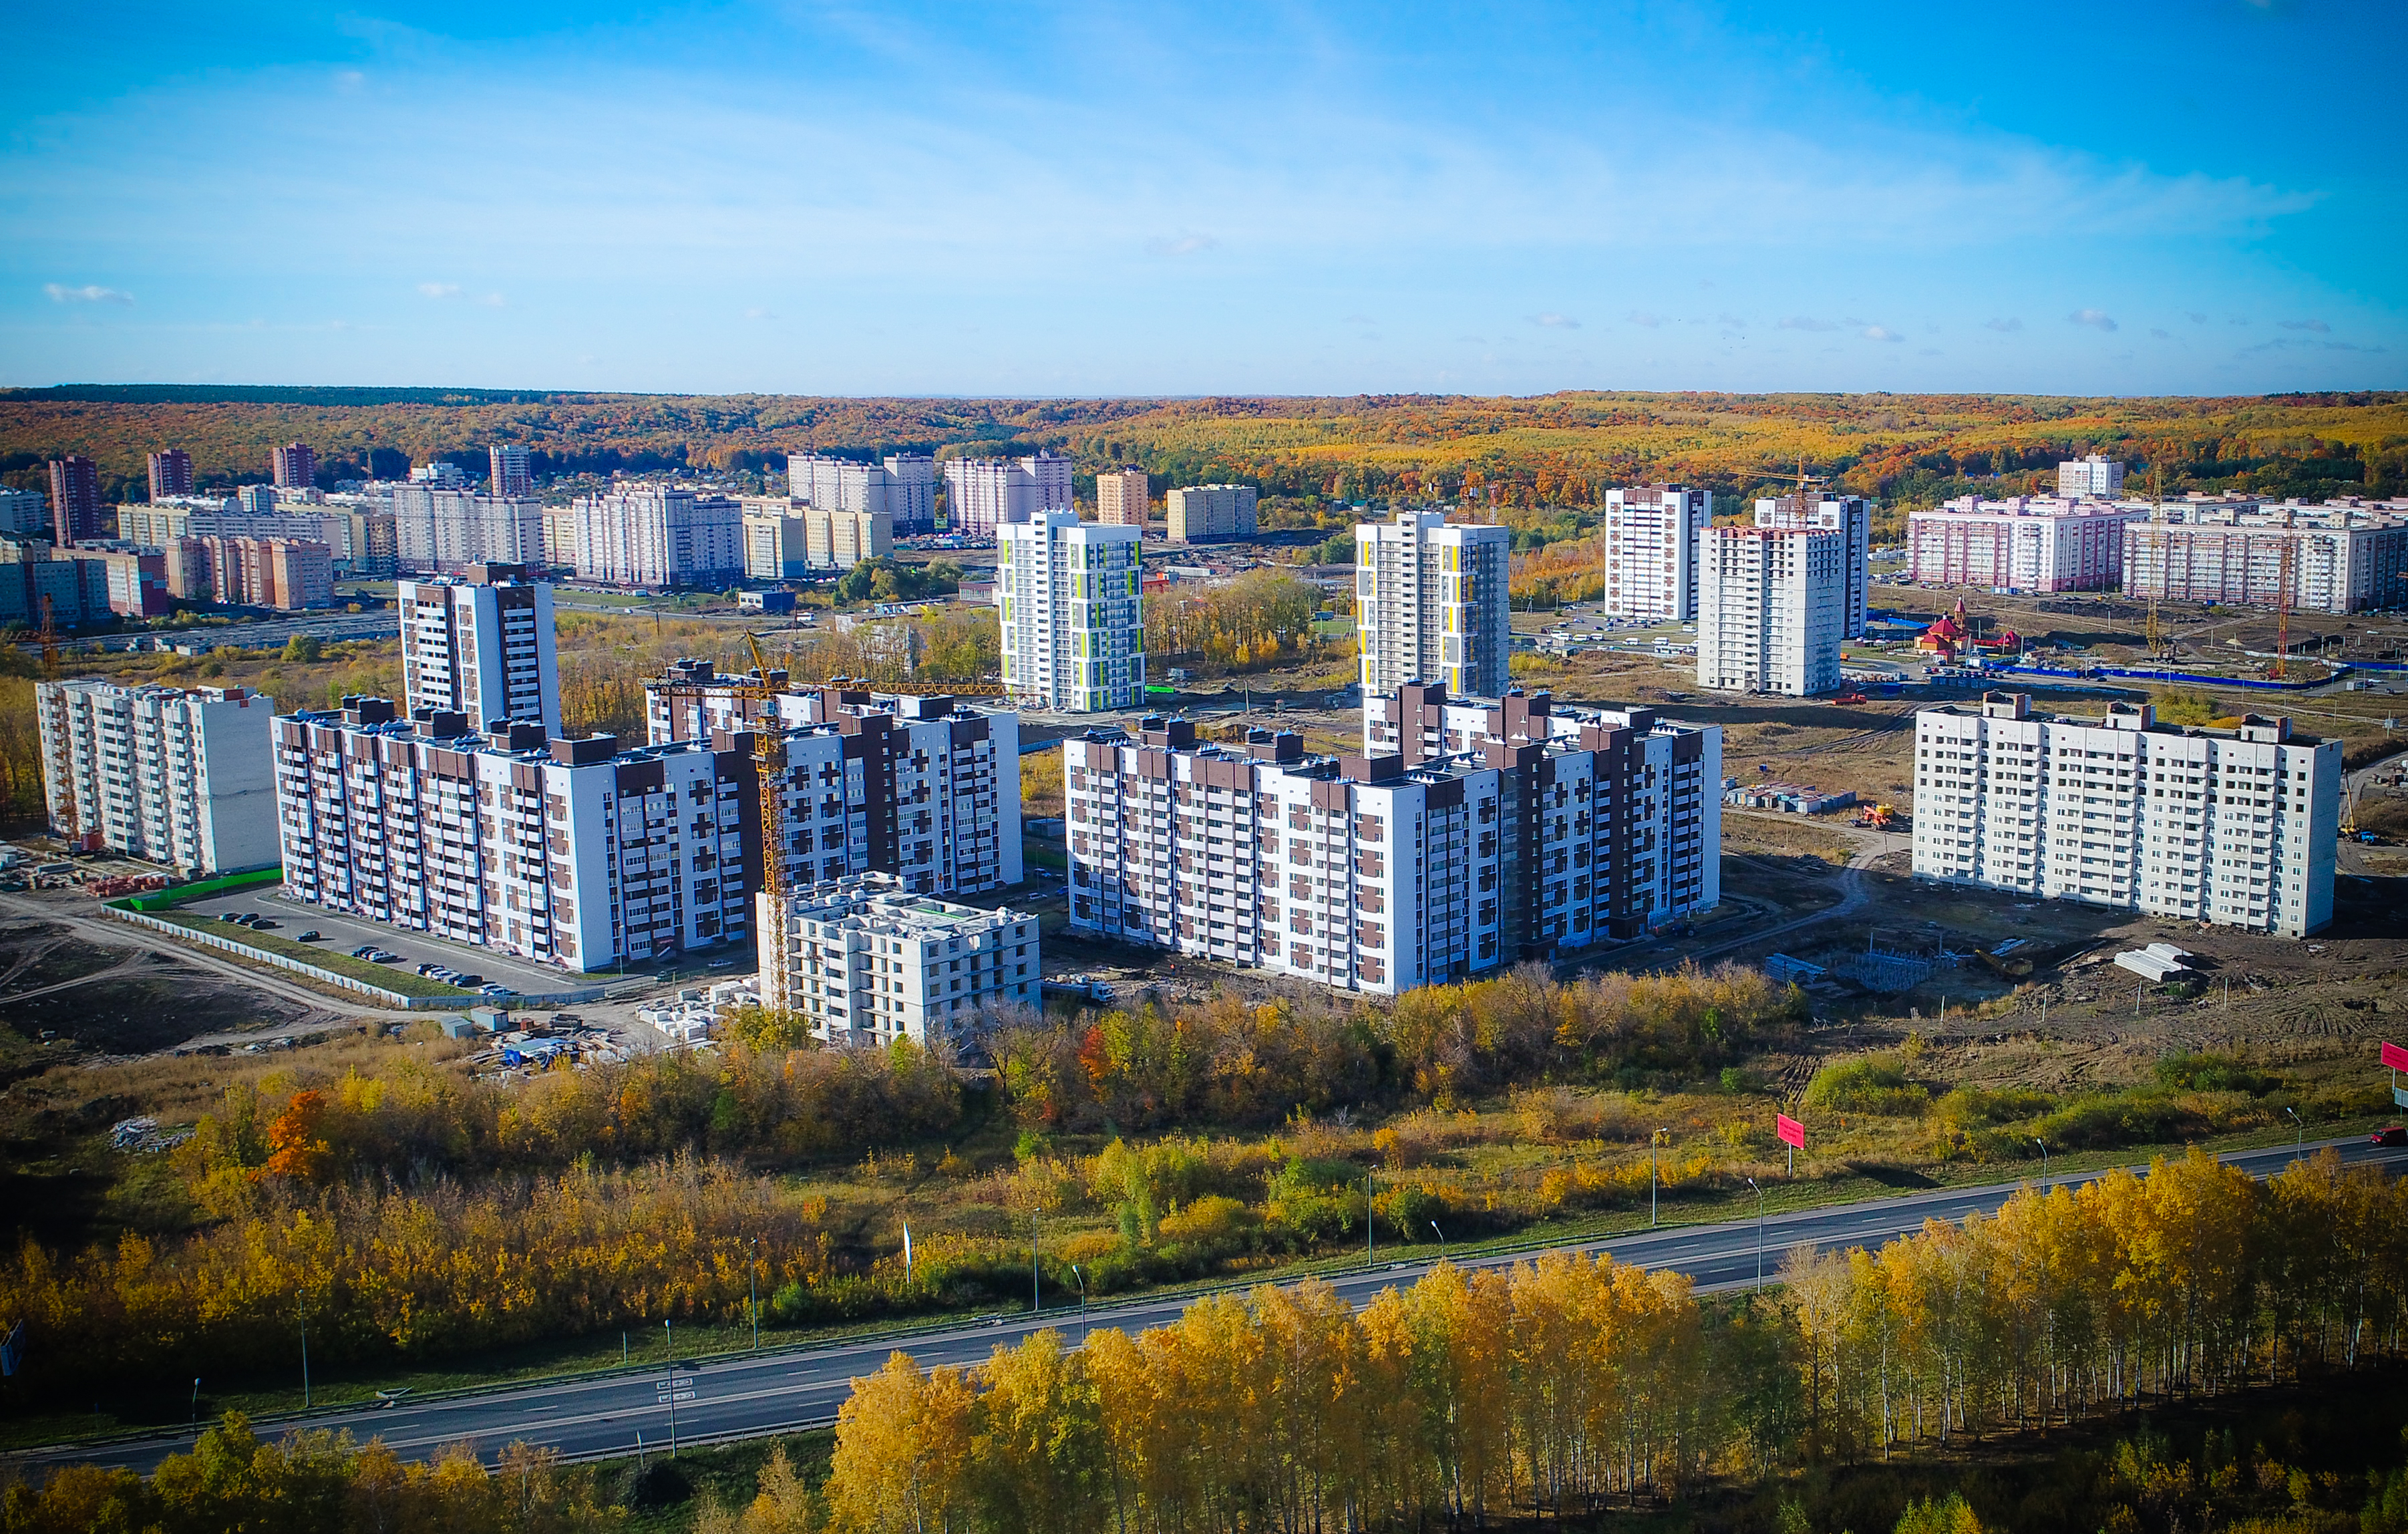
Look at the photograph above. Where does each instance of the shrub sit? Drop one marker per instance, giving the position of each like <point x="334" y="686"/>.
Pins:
<point x="1871" y="1084"/>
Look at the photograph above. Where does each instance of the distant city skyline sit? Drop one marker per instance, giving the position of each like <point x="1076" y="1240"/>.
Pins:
<point x="1317" y="199"/>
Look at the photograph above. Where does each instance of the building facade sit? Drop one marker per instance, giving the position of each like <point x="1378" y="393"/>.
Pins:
<point x="482" y="645"/>
<point x="659" y="535"/>
<point x="776" y="546"/>
<point x="181" y="776"/>
<point x="1852" y="518"/>
<point x="1197" y="513"/>
<point x="294" y="466"/>
<point x="570" y="853"/>
<point x="868" y="961"/>
<point x="1651" y="551"/>
<point x="1432" y="604"/>
<point x="510" y="470"/>
<point x="1370" y="874"/>
<point x="2341" y="558"/>
<point x="2025" y="543"/>
<point x="24" y="513"/>
<point x="1121" y="499"/>
<point x="927" y="789"/>
<point x="135" y="576"/>
<point x="171" y="473"/>
<point x="902" y="488"/>
<point x="42" y="585"/>
<point x="985" y="494"/>
<point x="1073" y="619"/>
<point x="76" y="511"/>
<point x="440" y="528"/>
<point x="2090" y="476"/>
<point x="1769" y="601"/>
<point x="2234" y="826"/>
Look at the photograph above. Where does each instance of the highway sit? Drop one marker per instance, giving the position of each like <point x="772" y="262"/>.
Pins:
<point x="787" y="1389"/>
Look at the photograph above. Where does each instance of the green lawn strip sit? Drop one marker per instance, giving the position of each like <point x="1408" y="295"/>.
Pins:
<point x="335" y="963"/>
<point x="1823" y="1184"/>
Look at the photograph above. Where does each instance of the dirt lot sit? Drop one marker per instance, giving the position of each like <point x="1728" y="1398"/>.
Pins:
<point x="96" y="999"/>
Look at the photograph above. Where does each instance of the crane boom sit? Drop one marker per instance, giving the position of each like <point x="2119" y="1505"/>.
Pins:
<point x="769" y="770"/>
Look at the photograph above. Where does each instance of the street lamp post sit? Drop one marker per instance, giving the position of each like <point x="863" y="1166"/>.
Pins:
<point x="1035" y="1301"/>
<point x="1441" y="1241"/>
<point x="2046" y="1180"/>
<point x="2299" y="1135"/>
<point x="752" y="1288"/>
<point x="1082" y="1290"/>
<point x="1759" y="1236"/>
<point x="1653" y="1182"/>
<point x="1370" y="1207"/>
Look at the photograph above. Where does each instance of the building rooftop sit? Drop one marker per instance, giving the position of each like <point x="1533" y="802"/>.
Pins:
<point x="2140" y="718"/>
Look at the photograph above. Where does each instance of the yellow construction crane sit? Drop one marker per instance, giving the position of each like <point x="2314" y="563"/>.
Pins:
<point x="2283" y="614"/>
<point x="2159" y="648"/>
<point x="768" y="768"/>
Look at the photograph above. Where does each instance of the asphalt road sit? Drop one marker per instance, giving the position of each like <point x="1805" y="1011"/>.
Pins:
<point x="783" y="1390"/>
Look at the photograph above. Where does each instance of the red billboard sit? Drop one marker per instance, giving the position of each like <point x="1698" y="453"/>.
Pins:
<point x="1793" y="1133"/>
<point x="2396" y="1057"/>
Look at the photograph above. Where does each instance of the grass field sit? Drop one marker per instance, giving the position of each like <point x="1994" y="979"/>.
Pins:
<point x="334" y="962"/>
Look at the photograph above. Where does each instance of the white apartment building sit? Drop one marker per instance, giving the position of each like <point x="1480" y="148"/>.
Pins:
<point x="1073" y="623"/>
<point x="158" y="526"/>
<point x="2025" y="543"/>
<point x="1852" y="518"/>
<point x="2090" y="476"/>
<point x="985" y="494"/>
<point x="27" y="512"/>
<point x="2234" y="826"/>
<point x="570" y="853"/>
<point x="868" y="961"/>
<point x="1432" y="604"/>
<point x="1368" y="874"/>
<point x="446" y="527"/>
<point x="2343" y="557"/>
<point x="1651" y="551"/>
<point x="174" y="776"/>
<point x="1769" y="609"/>
<point x="483" y="645"/>
<point x="512" y="470"/>
<point x="902" y="488"/>
<point x="1121" y="497"/>
<point x="927" y="789"/>
<point x="256" y="500"/>
<point x="1200" y="512"/>
<point x="659" y="535"/>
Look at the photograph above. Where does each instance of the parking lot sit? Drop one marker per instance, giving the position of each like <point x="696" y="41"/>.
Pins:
<point x="340" y="934"/>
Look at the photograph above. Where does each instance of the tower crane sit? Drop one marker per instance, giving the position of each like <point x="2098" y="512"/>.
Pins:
<point x="2283" y="613"/>
<point x="2159" y="648"/>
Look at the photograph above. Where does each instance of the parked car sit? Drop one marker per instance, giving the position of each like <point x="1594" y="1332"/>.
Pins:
<point x="467" y="983"/>
<point x="363" y="950"/>
<point x="495" y="990"/>
<point x="261" y="924"/>
<point x="378" y="955"/>
<point x="2395" y="1135"/>
<point x="229" y="916"/>
<point x="309" y="937"/>
<point x="722" y="964"/>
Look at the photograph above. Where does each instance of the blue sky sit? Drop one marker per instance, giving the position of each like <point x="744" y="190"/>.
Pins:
<point x="2198" y="197"/>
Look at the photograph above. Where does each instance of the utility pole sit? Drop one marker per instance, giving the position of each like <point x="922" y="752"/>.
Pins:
<point x="2047" y="1181"/>
<point x="1035" y="1303"/>
<point x="752" y="1286"/>
<point x="1369" y="1204"/>
<point x="1653" y="1181"/>
<point x="2299" y="1135"/>
<point x="304" y="1352"/>
<point x="1759" y="1236"/>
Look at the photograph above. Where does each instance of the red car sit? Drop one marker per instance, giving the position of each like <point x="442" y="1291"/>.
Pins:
<point x="2396" y="1135"/>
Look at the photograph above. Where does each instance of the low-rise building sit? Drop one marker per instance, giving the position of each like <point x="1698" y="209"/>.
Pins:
<point x="866" y="960"/>
<point x="1378" y="874"/>
<point x="2234" y="826"/>
<point x="571" y="852"/>
<point x="174" y="776"/>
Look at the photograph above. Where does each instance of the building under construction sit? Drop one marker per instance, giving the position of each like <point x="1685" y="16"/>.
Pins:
<point x="2340" y="556"/>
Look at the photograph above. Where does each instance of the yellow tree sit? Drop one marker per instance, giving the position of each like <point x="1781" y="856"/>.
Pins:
<point x="902" y="1460"/>
<point x="1038" y="1446"/>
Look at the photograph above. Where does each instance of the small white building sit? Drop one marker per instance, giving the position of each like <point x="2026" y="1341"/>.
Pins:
<point x="865" y="961"/>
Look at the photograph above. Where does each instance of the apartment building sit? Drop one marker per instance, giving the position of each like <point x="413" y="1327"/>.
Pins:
<point x="256" y="500"/>
<point x="925" y="788"/>
<point x="294" y="466"/>
<point x="1367" y="873"/>
<point x="135" y="577"/>
<point x="776" y="546"/>
<point x="510" y="471"/>
<point x="1769" y="601"/>
<point x="2090" y="476"/>
<point x="659" y="535"/>
<point x="869" y="961"/>
<point x="1201" y="514"/>
<point x="2341" y="556"/>
<point x="289" y="574"/>
<point x="1432" y="604"/>
<point x="1651" y="551"/>
<point x="480" y="644"/>
<point x="76" y="511"/>
<point x="1074" y="620"/>
<point x="1121" y="497"/>
<point x="24" y="513"/>
<point x="41" y="585"/>
<point x="446" y="527"/>
<point x="571" y="852"/>
<point x="1851" y="517"/>
<point x="985" y="494"/>
<point x="171" y="473"/>
<point x="175" y="776"/>
<point x="2234" y="826"/>
<point x="902" y="488"/>
<point x="2024" y="543"/>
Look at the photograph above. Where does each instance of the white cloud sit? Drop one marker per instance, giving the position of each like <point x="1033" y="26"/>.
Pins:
<point x="88" y="294"/>
<point x="1555" y="321"/>
<point x="493" y="300"/>
<point x="439" y="290"/>
<point x="1180" y="245"/>
<point x="2097" y="319"/>
<point x="1879" y="333"/>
